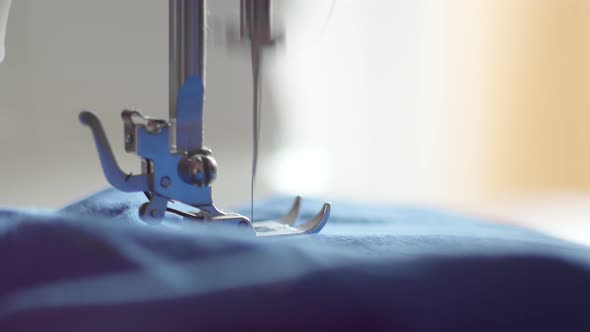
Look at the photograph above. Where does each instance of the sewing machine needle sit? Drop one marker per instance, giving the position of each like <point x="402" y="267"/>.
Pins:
<point x="256" y="25"/>
<point x="256" y="85"/>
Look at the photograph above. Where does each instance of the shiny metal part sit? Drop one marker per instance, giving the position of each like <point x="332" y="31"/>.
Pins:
<point x="286" y="225"/>
<point x="116" y="177"/>
<point x="199" y="169"/>
<point x="282" y="226"/>
<point x="177" y="170"/>
<point x="187" y="21"/>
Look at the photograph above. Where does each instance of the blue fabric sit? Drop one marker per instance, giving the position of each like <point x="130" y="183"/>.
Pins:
<point x="94" y="267"/>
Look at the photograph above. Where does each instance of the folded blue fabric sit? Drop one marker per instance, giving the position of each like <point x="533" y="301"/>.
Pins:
<point x="94" y="266"/>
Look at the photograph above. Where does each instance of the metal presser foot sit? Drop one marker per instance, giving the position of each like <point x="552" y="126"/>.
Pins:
<point x="177" y="170"/>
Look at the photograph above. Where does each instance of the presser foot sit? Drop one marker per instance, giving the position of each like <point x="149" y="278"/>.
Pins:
<point x="169" y="189"/>
<point x="282" y="226"/>
<point x="286" y="225"/>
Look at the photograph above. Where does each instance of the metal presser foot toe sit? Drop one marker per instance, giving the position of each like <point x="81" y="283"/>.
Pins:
<point x="286" y="224"/>
<point x="282" y="226"/>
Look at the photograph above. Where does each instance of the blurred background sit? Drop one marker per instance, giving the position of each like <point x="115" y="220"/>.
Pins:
<point x="480" y="107"/>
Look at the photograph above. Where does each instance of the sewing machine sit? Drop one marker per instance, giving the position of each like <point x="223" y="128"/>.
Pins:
<point x="177" y="169"/>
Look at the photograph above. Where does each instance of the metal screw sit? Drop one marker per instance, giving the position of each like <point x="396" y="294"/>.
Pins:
<point x="165" y="182"/>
